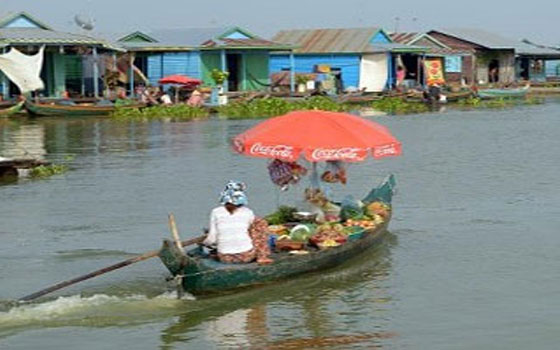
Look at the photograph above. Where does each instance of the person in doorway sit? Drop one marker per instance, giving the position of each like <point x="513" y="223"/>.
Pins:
<point x="400" y="77"/>
<point x="493" y="75"/>
<point x="238" y="235"/>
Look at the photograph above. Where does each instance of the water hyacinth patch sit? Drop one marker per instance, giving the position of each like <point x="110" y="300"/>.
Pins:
<point x="274" y="106"/>
<point x="179" y="111"/>
<point x="44" y="171"/>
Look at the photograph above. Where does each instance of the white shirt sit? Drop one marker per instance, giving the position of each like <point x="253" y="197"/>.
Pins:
<point x="230" y="232"/>
<point x="165" y="99"/>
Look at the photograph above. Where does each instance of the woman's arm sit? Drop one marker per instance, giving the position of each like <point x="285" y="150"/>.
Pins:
<point x="213" y="233"/>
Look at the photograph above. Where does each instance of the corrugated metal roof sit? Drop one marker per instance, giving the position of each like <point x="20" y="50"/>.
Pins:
<point x="404" y="37"/>
<point x="187" y="37"/>
<point x="21" y="36"/>
<point x="526" y="49"/>
<point x="497" y="42"/>
<point x="440" y="49"/>
<point x="195" y="38"/>
<point x="338" y="40"/>
<point x="341" y="40"/>
<point x="480" y="37"/>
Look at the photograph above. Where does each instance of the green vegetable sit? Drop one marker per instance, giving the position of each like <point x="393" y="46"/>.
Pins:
<point x="282" y="215"/>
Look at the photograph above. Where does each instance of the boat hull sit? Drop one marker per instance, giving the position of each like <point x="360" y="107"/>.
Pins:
<point x="503" y="93"/>
<point x="43" y="109"/>
<point x="203" y="275"/>
<point x="15" y="108"/>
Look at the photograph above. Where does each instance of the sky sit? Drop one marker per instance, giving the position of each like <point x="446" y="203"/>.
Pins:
<point x="536" y="20"/>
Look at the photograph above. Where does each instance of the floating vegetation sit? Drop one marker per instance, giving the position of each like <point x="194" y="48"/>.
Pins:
<point x="44" y="171"/>
<point x="273" y="106"/>
<point x="179" y="111"/>
<point x="475" y="102"/>
<point x="396" y="105"/>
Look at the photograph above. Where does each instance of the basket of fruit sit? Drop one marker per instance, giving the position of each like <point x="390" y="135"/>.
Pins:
<point x="326" y="232"/>
<point x="285" y="243"/>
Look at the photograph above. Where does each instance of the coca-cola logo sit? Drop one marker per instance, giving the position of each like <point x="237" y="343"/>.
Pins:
<point x="390" y="150"/>
<point x="346" y="153"/>
<point x="273" y="151"/>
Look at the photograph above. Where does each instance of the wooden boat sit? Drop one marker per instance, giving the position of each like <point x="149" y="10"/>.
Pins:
<point x="72" y="110"/>
<point x="201" y="274"/>
<point x="503" y="93"/>
<point x="9" y="108"/>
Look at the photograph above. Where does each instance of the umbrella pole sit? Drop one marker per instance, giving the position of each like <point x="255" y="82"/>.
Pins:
<point x="314" y="176"/>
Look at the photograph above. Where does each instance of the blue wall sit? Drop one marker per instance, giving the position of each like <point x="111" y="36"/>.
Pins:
<point x="348" y="64"/>
<point x="552" y="68"/>
<point x="160" y="65"/>
<point x="21" y="22"/>
<point x="380" y="38"/>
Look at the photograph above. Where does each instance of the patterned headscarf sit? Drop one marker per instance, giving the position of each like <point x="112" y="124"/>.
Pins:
<point x="234" y="193"/>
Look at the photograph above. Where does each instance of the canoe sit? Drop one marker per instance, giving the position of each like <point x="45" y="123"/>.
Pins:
<point x="503" y="93"/>
<point x="201" y="274"/>
<point x="10" y="108"/>
<point x="77" y="110"/>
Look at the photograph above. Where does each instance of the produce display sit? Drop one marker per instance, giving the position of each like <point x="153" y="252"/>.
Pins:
<point x="283" y="215"/>
<point x="358" y="219"/>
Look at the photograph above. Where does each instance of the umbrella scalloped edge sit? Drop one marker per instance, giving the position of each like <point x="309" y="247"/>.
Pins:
<point x="292" y="154"/>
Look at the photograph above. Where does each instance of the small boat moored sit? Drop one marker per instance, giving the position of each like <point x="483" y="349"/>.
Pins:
<point x="8" y="108"/>
<point x="503" y="93"/>
<point x="72" y="109"/>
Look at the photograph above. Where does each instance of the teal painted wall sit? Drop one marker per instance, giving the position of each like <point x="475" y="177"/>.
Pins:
<point x="59" y="74"/>
<point x="257" y="77"/>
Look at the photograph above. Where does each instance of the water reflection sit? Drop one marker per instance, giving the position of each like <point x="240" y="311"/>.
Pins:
<point x="304" y="313"/>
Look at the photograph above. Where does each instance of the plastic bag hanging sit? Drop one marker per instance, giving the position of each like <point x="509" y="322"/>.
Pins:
<point x="285" y="173"/>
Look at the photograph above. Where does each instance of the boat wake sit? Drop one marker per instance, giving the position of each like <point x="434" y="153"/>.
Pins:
<point x="95" y="310"/>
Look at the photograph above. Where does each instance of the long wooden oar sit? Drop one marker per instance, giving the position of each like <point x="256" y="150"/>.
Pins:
<point x="116" y="266"/>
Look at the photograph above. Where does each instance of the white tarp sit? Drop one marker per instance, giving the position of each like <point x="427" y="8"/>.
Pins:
<point x="374" y="72"/>
<point x="23" y="70"/>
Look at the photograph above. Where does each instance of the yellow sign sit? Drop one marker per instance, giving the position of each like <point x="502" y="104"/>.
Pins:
<point x="434" y="71"/>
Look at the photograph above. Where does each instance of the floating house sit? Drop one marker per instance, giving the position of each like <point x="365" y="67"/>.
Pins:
<point x="363" y="58"/>
<point x="456" y="63"/>
<point x="65" y="55"/>
<point x="196" y="52"/>
<point x="496" y="59"/>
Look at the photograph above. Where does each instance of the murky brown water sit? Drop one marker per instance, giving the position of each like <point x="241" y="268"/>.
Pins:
<point x="471" y="262"/>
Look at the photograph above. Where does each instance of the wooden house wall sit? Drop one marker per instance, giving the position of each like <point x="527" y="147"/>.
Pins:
<point x="168" y="63"/>
<point x="348" y="64"/>
<point x="506" y="59"/>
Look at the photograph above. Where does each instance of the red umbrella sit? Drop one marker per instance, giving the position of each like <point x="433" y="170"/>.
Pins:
<point x="180" y="80"/>
<point x="319" y="136"/>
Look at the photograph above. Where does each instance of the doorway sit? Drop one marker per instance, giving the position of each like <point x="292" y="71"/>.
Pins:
<point x="233" y="67"/>
<point x="494" y="71"/>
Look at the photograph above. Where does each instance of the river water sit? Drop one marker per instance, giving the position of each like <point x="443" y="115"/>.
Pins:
<point x="471" y="262"/>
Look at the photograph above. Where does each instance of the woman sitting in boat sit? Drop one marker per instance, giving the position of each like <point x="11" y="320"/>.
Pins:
<point x="239" y="236"/>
